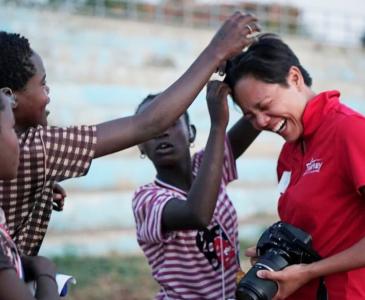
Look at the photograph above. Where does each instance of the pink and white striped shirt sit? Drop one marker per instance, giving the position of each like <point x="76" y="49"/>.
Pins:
<point x="188" y="264"/>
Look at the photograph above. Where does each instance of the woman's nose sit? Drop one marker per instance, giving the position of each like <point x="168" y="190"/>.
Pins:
<point x="262" y="120"/>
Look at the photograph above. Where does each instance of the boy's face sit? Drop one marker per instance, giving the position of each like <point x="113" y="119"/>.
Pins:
<point x="9" y="154"/>
<point x="33" y="99"/>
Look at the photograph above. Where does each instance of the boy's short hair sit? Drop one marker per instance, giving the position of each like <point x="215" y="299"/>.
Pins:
<point x="16" y="67"/>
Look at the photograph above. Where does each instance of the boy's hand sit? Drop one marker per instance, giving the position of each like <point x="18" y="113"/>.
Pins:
<point x="59" y="195"/>
<point x="234" y="35"/>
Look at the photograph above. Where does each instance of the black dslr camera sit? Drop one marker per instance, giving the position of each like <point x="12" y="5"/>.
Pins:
<point x="279" y="246"/>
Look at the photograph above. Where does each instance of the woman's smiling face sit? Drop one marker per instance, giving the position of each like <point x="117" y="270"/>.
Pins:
<point x="273" y="107"/>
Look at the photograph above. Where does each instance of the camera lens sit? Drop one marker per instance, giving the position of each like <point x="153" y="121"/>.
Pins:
<point x="252" y="287"/>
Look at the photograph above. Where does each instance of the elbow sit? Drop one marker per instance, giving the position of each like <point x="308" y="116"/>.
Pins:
<point x="152" y="126"/>
<point x="201" y="221"/>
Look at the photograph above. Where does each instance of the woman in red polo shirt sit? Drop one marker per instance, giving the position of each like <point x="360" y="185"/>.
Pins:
<point x="321" y="168"/>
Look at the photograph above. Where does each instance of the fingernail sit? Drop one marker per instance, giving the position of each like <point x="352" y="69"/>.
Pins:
<point x="260" y="274"/>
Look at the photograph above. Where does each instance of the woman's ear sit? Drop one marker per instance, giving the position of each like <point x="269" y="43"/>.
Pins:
<point x="295" y="77"/>
<point x="192" y="133"/>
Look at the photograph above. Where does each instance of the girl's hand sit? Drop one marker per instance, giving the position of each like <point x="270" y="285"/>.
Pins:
<point x="217" y="93"/>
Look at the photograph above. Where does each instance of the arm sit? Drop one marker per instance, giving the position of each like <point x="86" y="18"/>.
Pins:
<point x="197" y="211"/>
<point x="125" y="132"/>
<point x="242" y="133"/>
<point x="241" y="136"/>
<point x="12" y="288"/>
<point x="43" y="271"/>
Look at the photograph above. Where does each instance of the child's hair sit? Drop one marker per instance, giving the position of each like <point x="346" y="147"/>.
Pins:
<point x="267" y="59"/>
<point x="149" y="98"/>
<point x="16" y="67"/>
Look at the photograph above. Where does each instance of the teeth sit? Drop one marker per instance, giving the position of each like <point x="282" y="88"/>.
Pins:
<point x="279" y="126"/>
<point x="163" y="146"/>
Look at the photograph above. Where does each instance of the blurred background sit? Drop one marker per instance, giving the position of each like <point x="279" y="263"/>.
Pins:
<point x="103" y="57"/>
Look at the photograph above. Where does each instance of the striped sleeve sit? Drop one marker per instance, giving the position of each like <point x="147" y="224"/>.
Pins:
<point x="148" y="204"/>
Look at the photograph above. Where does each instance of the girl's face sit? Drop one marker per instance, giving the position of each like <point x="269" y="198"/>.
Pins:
<point x="172" y="146"/>
<point x="33" y="99"/>
<point x="273" y="107"/>
<point x="9" y="154"/>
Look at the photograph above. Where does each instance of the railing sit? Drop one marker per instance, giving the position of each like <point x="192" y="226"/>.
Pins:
<point x="324" y="26"/>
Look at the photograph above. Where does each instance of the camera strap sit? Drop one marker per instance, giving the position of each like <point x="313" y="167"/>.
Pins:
<point x="322" y="290"/>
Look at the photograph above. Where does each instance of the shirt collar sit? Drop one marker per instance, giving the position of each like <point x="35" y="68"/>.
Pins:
<point x="316" y="109"/>
<point x="169" y="186"/>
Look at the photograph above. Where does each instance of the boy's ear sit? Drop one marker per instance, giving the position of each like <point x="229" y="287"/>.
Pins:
<point x="14" y="101"/>
<point x="192" y="133"/>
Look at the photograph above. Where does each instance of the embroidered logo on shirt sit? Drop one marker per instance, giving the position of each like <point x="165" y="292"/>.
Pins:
<point x="215" y="246"/>
<point x="314" y="166"/>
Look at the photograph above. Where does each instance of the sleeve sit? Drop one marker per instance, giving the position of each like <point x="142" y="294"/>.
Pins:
<point x="148" y="205"/>
<point x="351" y="149"/>
<point x="229" y="163"/>
<point x="69" y="151"/>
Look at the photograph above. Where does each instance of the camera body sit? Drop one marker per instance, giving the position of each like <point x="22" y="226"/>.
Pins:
<point x="279" y="246"/>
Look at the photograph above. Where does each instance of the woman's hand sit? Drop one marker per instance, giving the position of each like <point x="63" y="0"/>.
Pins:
<point x="251" y="253"/>
<point x="289" y="279"/>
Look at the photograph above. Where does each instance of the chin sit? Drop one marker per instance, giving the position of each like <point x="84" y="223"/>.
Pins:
<point x="44" y="122"/>
<point x="9" y="175"/>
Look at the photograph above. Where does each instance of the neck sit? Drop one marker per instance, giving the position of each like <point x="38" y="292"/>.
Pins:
<point x="180" y="176"/>
<point x="309" y="94"/>
<point x="19" y="129"/>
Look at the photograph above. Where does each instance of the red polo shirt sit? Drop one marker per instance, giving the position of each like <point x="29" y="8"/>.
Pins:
<point x="322" y="196"/>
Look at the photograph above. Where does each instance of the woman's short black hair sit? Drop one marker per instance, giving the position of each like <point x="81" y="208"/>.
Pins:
<point x="16" y="67"/>
<point x="150" y="97"/>
<point x="267" y="59"/>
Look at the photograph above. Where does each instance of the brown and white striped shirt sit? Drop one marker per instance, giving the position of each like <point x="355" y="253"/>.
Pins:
<point x="47" y="155"/>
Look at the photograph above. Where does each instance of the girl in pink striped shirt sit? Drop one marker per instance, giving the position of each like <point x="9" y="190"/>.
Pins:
<point x="186" y="224"/>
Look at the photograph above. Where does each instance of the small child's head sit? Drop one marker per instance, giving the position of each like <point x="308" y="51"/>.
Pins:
<point x="22" y="70"/>
<point x="9" y="154"/>
<point x="171" y="144"/>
